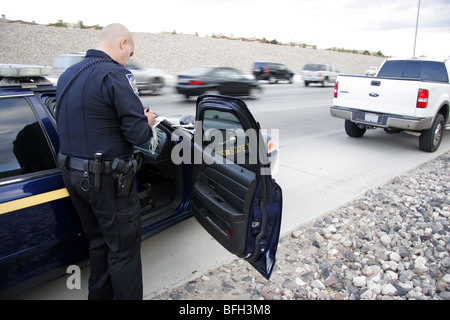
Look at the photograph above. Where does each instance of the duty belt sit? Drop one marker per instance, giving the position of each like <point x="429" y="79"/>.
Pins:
<point x="66" y="162"/>
<point x="123" y="171"/>
<point x="97" y="167"/>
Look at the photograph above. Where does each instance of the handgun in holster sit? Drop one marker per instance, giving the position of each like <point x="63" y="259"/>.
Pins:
<point x="124" y="172"/>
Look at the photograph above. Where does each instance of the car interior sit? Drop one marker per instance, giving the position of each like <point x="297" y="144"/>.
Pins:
<point x="160" y="181"/>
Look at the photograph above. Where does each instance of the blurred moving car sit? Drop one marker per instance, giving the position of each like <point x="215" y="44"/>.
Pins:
<point x="64" y="61"/>
<point x="319" y="73"/>
<point x="147" y="79"/>
<point x="216" y="80"/>
<point x="272" y="72"/>
<point x="372" y="71"/>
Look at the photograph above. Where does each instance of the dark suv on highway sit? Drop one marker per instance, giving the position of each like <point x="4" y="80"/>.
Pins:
<point x="236" y="201"/>
<point x="272" y="72"/>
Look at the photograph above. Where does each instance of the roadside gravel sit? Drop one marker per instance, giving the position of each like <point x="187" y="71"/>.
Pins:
<point x="38" y="44"/>
<point x="391" y="244"/>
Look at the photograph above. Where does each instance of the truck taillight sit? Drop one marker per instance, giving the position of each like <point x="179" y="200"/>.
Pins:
<point x="336" y="89"/>
<point x="422" y="98"/>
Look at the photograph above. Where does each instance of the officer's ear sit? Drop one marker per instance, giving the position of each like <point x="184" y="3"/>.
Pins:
<point x="123" y="43"/>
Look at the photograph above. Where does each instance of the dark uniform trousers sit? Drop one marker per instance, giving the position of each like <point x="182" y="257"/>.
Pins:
<point x="113" y="226"/>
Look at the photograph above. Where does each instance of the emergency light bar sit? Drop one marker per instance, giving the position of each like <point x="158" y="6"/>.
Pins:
<point x="24" y="71"/>
<point x="24" y="75"/>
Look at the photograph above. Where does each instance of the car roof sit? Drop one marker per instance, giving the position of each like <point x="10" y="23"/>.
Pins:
<point x="415" y="59"/>
<point x="268" y="63"/>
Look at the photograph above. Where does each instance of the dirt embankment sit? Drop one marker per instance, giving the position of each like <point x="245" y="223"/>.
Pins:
<point x="37" y="44"/>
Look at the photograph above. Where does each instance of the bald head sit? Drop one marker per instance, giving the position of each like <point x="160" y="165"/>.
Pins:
<point x="117" y="42"/>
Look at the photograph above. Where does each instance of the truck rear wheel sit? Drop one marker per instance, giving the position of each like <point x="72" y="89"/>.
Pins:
<point x="430" y="139"/>
<point x="353" y="130"/>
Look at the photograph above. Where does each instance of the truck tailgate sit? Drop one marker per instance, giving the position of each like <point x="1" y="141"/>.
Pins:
<point x="378" y="95"/>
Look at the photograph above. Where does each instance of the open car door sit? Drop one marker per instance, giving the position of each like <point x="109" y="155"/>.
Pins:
<point x="233" y="194"/>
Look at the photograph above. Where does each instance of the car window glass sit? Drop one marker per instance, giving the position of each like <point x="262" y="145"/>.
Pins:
<point x="392" y="69"/>
<point x="23" y="146"/>
<point x="412" y="70"/>
<point x="49" y="101"/>
<point x="258" y="65"/>
<point x="434" y="71"/>
<point x="224" y="135"/>
<point x="314" y="67"/>
<point x="219" y="73"/>
<point x="227" y="73"/>
<point x="197" y="71"/>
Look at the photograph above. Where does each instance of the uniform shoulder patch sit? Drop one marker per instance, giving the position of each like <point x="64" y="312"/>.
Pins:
<point x="132" y="82"/>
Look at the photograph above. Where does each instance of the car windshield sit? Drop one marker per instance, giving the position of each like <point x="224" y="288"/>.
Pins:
<point x="314" y="67"/>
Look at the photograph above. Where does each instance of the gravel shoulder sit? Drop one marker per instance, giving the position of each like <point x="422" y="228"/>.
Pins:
<point x="391" y="244"/>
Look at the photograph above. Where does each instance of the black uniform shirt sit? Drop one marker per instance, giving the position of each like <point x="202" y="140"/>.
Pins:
<point x="101" y="111"/>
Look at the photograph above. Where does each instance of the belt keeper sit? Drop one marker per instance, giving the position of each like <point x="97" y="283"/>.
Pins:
<point x="63" y="162"/>
<point x="107" y="167"/>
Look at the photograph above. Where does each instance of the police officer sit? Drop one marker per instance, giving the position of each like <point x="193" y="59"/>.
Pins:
<point x="100" y="118"/>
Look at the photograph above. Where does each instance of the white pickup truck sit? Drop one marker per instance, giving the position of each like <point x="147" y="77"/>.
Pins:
<point x="406" y="94"/>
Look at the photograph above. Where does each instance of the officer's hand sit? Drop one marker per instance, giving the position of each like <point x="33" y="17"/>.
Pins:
<point x="150" y="116"/>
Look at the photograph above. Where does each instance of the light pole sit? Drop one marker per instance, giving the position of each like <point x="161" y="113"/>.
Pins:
<point x="417" y="24"/>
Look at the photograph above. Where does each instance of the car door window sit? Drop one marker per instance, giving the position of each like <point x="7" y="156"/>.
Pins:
<point x="227" y="74"/>
<point x="224" y="136"/>
<point x="23" y="146"/>
<point x="220" y="73"/>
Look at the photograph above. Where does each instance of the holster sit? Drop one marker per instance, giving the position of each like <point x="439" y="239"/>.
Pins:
<point x="124" y="172"/>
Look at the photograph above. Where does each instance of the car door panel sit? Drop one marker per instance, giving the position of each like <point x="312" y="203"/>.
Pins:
<point x="224" y="203"/>
<point x="233" y="201"/>
<point x="229" y="185"/>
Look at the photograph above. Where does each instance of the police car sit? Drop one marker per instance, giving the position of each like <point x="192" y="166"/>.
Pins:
<point x="211" y="171"/>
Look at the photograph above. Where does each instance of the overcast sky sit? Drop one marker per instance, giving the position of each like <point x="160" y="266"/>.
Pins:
<point x="382" y="25"/>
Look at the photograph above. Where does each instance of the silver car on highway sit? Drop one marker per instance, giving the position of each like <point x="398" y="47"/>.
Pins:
<point x="324" y="74"/>
<point x="148" y="80"/>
